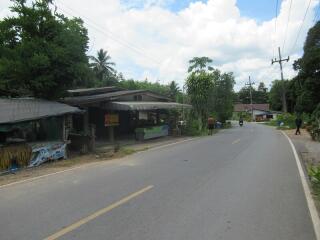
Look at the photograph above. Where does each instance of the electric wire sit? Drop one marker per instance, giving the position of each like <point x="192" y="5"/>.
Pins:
<point x="287" y="25"/>
<point x="275" y="29"/>
<point x="300" y="28"/>
<point x="108" y="33"/>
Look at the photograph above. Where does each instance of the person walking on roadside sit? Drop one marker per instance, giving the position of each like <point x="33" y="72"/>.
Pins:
<point x="210" y="125"/>
<point x="298" y="125"/>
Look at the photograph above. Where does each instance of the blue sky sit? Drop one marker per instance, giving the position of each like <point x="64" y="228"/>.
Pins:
<point x="260" y="10"/>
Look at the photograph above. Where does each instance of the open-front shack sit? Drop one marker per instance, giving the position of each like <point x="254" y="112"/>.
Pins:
<point x="121" y="114"/>
<point x="33" y="131"/>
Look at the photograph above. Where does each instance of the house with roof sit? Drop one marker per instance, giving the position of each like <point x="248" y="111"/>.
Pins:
<point x="260" y="112"/>
<point x="33" y="131"/>
<point x="116" y="113"/>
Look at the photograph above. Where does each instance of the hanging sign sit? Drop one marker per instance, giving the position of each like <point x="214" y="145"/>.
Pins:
<point x="111" y="119"/>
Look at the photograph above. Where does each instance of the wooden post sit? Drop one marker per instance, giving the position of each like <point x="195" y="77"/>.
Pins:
<point x="158" y="117"/>
<point x="86" y="121"/>
<point x="64" y="119"/>
<point x="111" y="133"/>
<point x="92" y="137"/>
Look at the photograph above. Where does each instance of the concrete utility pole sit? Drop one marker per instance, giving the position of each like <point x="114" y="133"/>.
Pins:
<point x="280" y="60"/>
<point x="250" y="89"/>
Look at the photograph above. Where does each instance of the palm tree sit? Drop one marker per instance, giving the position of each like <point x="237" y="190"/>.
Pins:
<point x="173" y="90"/>
<point x="102" y="65"/>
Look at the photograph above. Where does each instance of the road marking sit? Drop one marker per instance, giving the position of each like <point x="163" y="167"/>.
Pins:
<point x="311" y="205"/>
<point x="236" y="141"/>
<point x="91" y="217"/>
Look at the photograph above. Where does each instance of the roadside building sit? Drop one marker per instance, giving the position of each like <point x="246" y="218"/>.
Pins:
<point x="260" y="112"/>
<point x="112" y="113"/>
<point x="33" y="131"/>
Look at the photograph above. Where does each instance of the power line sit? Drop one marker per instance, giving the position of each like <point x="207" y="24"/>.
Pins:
<point x="288" y="20"/>
<point x="275" y="28"/>
<point x="109" y="34"/>
<point x="304" y="18"/>
<point x="316" y="13"/>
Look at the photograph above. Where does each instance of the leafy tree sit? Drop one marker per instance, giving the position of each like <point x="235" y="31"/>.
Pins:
<point x="222" y="102"/>
<point x="308" y="66"/>
<point x="199" y="63"/>
<point x="262" y="87"/>
<point x="244" y="95"/>
<point x="103" y="68"/>
<point x="199" y="89"/>
<point x="258" y="96"/>
<point x="41" y="53"/>
<point x="144" y="85"/>
<point x="210" y="92"/>
<point x="275" y="95"/>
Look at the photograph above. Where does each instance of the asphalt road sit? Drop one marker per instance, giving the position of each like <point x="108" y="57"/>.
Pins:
<point x="240" y="184"/>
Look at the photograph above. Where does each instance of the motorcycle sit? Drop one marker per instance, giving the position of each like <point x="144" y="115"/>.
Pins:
<point x="241" y="123"/>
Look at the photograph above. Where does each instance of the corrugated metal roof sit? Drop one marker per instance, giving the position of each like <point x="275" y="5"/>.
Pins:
<point x="92" y="91"/>
<point x="25" y="109"/>
<point x="140" y="106"/>
<point x="108" y="97"/>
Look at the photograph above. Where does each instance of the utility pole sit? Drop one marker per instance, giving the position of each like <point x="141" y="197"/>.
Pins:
<point x="280" y="60"/>
<point x="250" y="89"/>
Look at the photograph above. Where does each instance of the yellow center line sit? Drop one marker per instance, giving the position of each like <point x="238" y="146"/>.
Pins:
<point x="236" y="141"/>
<point x="96" y="214"/>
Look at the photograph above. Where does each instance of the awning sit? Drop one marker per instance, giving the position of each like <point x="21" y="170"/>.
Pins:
<point x="141" y="106"/>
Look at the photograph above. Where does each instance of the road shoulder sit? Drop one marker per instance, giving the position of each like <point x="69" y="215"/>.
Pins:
<point x="301" y="148"/>
<point x="83" y="161"/>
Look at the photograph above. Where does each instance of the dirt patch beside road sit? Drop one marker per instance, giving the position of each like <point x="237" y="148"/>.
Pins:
<point x="308" y="149"/>
<point x="104" y="154"/>
<point x="309" y="152"/>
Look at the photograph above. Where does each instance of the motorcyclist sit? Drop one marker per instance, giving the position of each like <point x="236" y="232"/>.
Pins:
<point x="240" y="121"/>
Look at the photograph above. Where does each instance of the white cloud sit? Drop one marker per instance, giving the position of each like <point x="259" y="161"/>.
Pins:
<point x="159" y="43"/>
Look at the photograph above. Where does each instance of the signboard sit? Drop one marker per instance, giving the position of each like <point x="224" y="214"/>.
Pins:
<point x="111" y="119"/>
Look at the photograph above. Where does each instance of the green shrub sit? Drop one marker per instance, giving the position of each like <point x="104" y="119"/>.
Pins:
<point x="314" y="127"/>
<point x="192" y="128"/>
<point x="314" y="175"/>
<point x="288" y="120"/>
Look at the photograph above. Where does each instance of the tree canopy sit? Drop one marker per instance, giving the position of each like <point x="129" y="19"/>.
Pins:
<point x="307" y="82"/>
<point x="275" y="95"/>
<point x="42" y="53"/>
<point x="210" y="91"/>
<point x="259" y="95"/>
<point x="199" y="64"/>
